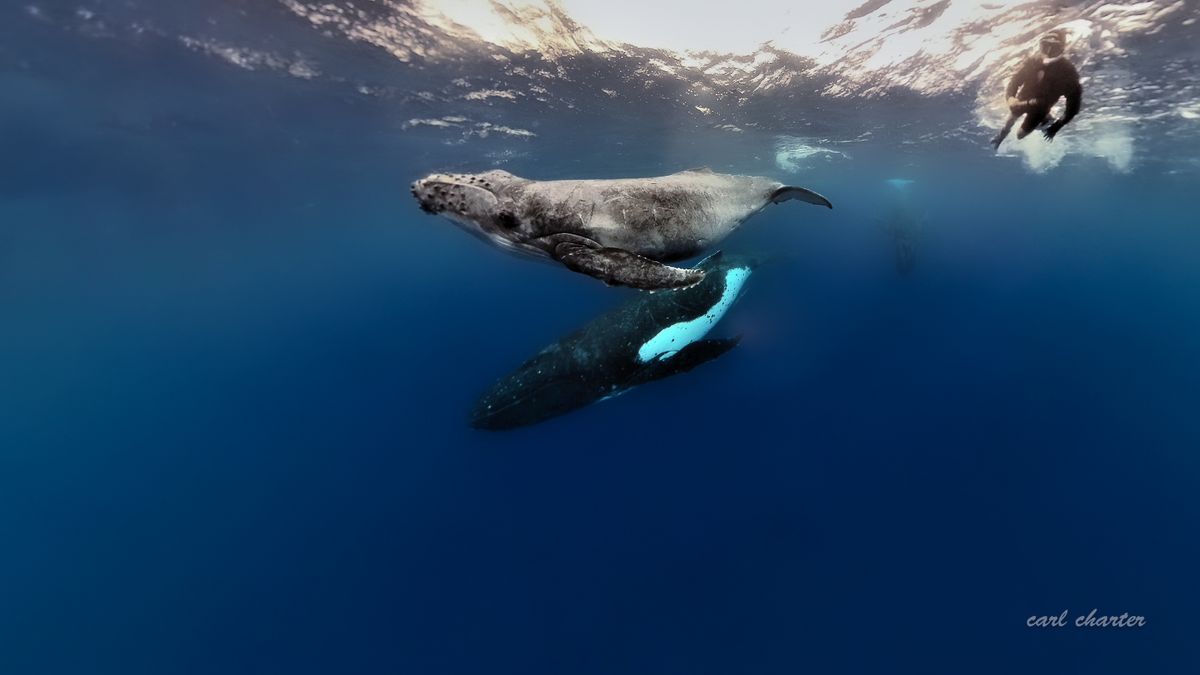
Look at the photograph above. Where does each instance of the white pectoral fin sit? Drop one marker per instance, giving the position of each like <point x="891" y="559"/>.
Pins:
<point x="670" y="340"/>
<point x="789" y="192"/>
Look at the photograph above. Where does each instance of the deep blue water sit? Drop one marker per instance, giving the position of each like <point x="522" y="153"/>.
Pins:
<point x="236" y="363"/>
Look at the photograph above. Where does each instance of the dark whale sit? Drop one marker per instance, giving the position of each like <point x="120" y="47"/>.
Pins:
<point x="649" y="337"/>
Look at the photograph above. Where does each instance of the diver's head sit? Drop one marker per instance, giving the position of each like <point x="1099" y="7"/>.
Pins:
<point x="1053" y="44"/>
<point x="478" y="202"/>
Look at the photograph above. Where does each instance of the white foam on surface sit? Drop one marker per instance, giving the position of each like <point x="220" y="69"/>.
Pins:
<point x="795" y="154"/>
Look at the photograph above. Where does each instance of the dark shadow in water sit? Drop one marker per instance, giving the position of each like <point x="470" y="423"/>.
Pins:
<point x="903" y="226"/>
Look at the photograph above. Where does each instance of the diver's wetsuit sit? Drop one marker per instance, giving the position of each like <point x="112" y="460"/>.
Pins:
<point x="1039" y="85"/>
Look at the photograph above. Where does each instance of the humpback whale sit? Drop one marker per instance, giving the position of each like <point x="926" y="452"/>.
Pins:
<point x="647" y="338"/>
<point x="621" y="231"/>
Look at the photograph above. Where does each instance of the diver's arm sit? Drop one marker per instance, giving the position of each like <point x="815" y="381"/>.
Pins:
<point x="1014" y="85"/>
<point x="1074" y="101"/>
<point x="1010" y="94"/>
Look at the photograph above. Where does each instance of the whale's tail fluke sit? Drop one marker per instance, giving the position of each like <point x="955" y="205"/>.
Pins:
<point x="788" y="192"/>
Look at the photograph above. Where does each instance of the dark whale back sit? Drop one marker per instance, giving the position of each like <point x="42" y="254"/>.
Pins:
<point x="607" y="356"/>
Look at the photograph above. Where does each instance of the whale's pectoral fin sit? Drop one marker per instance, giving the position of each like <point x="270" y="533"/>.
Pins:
<point x="787" y="192"/>
<point x="618" y="267"/>
<point x="695" y="354"/>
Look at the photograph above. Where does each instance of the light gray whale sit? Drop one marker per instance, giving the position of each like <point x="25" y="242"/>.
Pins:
<point x="620" y="231"/>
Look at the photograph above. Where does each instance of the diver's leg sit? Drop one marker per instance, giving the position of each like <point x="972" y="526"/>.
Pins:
<point x="1033" y="119"/>
<point x="1012" y="119"/>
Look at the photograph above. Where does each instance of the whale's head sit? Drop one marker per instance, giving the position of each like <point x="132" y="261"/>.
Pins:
<point x="480" y="203"/>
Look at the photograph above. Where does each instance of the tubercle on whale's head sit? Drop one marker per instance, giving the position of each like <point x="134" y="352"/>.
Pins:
<point x="479" y="202"/>
<point x="453" y="192"/>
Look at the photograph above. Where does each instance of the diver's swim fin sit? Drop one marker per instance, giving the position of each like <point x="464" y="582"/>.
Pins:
<point x="618" y="267"/>
<point x="788" y="192"/>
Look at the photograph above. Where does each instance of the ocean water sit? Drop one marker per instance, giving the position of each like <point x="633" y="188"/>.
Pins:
<point x="237" y="361"/>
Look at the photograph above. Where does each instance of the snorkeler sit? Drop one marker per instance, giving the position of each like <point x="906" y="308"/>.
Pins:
<point x="1037" y="86"/>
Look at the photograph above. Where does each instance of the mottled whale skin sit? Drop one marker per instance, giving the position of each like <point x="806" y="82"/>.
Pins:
<point x="621" y="231"/>
<point x="649" y="337"/>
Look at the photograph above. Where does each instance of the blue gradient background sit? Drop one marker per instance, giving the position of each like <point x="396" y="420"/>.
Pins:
<point x="236" y="363"/>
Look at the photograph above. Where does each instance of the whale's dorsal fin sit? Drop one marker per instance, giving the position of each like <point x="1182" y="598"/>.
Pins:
<point x="787" y="192"/>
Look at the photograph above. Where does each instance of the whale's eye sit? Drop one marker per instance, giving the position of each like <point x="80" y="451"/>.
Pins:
<point x="507" y="220"/>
